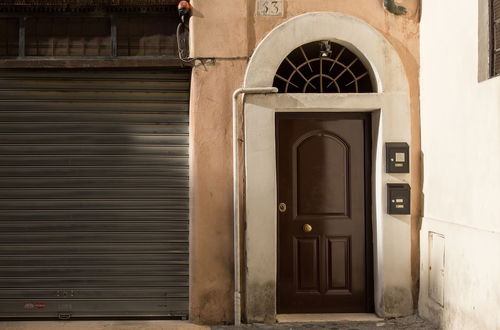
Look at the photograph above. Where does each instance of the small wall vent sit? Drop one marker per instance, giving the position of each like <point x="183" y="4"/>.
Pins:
<point x="436" y="267"/>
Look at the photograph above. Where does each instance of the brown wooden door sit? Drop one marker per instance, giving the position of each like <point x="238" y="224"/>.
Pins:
<point x="323" y="179"/>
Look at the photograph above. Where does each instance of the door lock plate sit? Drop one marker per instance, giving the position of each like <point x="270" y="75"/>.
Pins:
<point x="282" y="207"/>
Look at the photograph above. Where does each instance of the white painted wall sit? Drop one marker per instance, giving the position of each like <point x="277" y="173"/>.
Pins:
<point x="461" y="158"/>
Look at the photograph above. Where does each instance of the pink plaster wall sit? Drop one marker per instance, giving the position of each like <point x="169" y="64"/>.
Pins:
<point x="211" y="233"/>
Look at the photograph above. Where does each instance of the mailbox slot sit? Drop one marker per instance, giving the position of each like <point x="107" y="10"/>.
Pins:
<point x="397" y="156"/>
<point x="398" y="198"/>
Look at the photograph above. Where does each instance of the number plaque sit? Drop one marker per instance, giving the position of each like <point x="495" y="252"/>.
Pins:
<point x="269" y="7"/>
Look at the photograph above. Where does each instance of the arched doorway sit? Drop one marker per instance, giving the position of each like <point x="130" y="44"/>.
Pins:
<point x="379" y="96"/>
<point x="323" y="174"/>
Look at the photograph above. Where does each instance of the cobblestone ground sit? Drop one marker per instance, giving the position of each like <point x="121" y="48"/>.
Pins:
<point x="406" y="323"/>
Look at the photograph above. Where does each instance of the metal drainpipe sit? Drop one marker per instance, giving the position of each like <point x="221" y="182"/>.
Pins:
<point x="236" y="196"/>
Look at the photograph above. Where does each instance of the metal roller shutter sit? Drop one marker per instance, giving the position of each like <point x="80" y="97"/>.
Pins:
<point x="94" y="193"/>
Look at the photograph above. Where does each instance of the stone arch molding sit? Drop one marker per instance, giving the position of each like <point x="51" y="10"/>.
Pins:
<point x="390" y="108"/>
<point x="358" y="36"/>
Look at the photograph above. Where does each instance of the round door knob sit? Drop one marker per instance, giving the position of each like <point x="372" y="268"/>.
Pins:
<point x="307" y="228"/>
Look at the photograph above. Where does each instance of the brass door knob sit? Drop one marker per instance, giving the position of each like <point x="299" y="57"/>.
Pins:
<point x="307" y="228"/>
<point x="282" y="207"/>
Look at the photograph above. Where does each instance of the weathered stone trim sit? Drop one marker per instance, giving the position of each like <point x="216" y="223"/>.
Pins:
<point x="390" y="108"/>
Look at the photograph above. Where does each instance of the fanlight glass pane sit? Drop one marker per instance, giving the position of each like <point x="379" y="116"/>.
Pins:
<point x="323" y="67"/>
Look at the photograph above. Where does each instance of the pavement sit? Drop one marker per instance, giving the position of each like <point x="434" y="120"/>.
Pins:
<point x="404" y="323"/>
<point x="101" y="325"/>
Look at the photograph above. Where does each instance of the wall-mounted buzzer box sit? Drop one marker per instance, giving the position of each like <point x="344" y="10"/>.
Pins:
<point x="397" y="157"/>
<point x="398" y="198"/>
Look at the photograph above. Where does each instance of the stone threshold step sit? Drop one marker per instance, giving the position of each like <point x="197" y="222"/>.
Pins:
<point x="335" y="317"/>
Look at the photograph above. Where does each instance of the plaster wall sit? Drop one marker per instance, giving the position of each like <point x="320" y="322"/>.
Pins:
<point x="461" y="157"/>
<point x="211" y="239"/>
<point x="230" y="31"/>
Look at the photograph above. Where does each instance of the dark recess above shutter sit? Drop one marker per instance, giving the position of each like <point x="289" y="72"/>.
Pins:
<point x="85" y="5"/>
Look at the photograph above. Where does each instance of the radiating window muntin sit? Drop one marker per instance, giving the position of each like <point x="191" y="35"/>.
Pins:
<point x="323" y="67"/>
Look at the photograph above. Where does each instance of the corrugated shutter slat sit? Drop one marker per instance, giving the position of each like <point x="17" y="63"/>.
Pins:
<point x="94" y="193"/>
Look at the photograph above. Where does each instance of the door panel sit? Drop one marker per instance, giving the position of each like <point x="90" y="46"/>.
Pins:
<point x="307" y="266"/>
<point x="312" y="175"/>
<point x="323" y="178"/>
<point x="339" y="263"/>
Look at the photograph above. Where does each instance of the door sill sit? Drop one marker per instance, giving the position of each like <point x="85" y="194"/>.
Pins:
<point x="330" y="317"/>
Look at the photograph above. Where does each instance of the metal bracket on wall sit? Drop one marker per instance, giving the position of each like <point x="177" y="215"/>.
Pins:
<point x="393" y="8"/>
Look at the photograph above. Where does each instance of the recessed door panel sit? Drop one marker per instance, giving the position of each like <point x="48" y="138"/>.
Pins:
<point x="339" y="263"/>
<point x="324" y="238"/>
<point x="307" y="266"/>
<point x="321" y="158"/>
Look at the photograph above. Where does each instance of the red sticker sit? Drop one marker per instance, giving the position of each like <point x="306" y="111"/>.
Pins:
<point x="34" y="305"/>
<point x="39" y="305"/>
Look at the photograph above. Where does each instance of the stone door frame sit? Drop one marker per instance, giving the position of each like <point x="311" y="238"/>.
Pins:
<point x="390" y="107"/>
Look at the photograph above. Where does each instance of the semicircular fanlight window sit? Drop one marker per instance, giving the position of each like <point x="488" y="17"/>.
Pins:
<point x="323" y="67"/>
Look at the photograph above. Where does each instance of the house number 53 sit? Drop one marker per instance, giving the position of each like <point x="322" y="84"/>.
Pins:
<point x="270" y="7"/>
